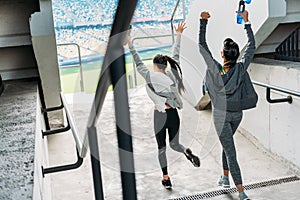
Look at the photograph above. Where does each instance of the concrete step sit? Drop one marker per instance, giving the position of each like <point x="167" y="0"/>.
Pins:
<point x="17" y="139"/>
<point x="197" y="132"/>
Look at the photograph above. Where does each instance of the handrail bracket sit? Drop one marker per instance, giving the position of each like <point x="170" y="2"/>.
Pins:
<point x="288" y="99"/>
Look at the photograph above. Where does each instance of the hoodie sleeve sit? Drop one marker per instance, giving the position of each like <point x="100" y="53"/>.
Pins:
<point x="250" y="49"/>
<point x="202" y="37"/>
<point x="140" y="66"/>
<point x="212" y="64"/>
<point x="176" y="49"/>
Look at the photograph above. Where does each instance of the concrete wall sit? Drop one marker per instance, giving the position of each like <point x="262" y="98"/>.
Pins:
<point x="42" y="186"/>
<point x="265" y="16"/>
<point x="293" y="11"/>
<point x="44" y="45"/>
<point x="276" y="126"/>
<point x="17" y="56"/>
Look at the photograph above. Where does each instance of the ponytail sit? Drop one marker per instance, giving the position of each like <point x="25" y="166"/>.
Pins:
<point x="175" y="68"/>
<point x="161" y="62"/>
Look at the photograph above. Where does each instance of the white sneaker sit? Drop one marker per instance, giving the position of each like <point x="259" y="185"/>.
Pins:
<point x="243" y="196"/>
<point x="224" y="182"/>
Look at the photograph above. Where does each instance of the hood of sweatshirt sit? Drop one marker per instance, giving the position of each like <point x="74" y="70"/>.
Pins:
<point x="160" y="82"/>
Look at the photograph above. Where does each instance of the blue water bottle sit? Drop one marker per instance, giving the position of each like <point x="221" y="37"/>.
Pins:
<point x="241" y="9"/>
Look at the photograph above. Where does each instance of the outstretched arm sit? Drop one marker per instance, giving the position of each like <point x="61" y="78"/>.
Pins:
<point x="176" y="46"/>
<point x="204" y="16"/>
<point x="140" y="66"/>
<point x="250" y="48"/>
<point x="212" y="65"/>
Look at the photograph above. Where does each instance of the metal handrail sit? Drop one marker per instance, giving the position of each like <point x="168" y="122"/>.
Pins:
<point x="173" y="14"/>
<point x="288" y="99"/>
<point x="80" y="148"/>
<point x="79" y="143"/>
<point x="76" y="66"/>
<point x="113" y="72"/>
<point x="149" y="37"/>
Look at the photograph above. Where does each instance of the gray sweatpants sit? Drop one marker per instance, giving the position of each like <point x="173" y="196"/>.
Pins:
<point x="226" y="124"/>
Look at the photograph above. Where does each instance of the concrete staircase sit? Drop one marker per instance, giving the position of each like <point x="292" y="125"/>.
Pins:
<point x="17" y="139"/>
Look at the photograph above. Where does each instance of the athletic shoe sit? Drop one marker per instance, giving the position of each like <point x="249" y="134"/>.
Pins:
<point x="191" y="157"/>
<point x="243" y="196"/>
<point x="224" y="182"/>
<point x="167" y="184"/>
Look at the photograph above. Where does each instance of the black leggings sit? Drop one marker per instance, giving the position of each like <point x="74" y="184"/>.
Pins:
<point x="163" y="121"/>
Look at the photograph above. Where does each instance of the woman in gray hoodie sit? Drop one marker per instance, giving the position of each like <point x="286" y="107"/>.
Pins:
<point x="163" y="88"/>
<point x="231" y="92"/>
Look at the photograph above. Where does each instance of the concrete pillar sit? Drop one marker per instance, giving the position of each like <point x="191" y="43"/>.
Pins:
<point x="44" y="45"/>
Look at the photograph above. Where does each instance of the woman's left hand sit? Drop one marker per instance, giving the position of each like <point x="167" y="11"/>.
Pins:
<point x="180" y="27"/>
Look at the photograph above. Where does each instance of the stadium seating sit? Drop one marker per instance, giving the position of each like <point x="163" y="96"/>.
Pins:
<point x="87" y="23"/>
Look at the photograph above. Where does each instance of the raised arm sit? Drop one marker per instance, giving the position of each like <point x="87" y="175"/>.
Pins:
<point x="140" y="66"/>
<point x="213" y="65"/>
<point x="176" y="46"/>
<point x="250" y="48"/>
<point x="204" y="16"/>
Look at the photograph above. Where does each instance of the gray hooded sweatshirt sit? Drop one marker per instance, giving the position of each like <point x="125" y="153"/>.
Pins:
<point x="165" y="85"/>
<point x="228" y="92"/>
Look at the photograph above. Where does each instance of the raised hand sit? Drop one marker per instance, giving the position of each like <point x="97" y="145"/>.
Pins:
<point x="244" y="15"/>
<point x="205" y="15"/>
<point x="180" y="27"/>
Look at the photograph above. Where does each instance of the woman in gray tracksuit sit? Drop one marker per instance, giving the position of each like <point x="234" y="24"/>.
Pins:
<point x="225" y="87"/>
<point x="163" y="88"/>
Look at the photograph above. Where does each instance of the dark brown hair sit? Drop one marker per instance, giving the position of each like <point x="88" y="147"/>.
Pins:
<point x="231" y="51"/>
<point x="161" y="62"/>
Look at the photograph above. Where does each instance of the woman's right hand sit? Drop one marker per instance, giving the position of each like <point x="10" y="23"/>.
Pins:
<point x="205" y="15"/>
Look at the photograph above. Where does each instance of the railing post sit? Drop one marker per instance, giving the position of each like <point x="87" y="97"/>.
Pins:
<point x="80" y="63"/>
<point x="183" y="9"/>
<point x="118" y="78"/>
<point x="134" y="74"/>
<point x="172" y="17"/>
<point x="95" y="161"/>
<point x="80" y="68"/>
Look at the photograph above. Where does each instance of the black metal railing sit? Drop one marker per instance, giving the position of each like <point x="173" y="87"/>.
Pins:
<point x="289" y="48"/>
<point x="80" y="146"/>
<point x="113" y="72"/>
<point x="268" y="87"/>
